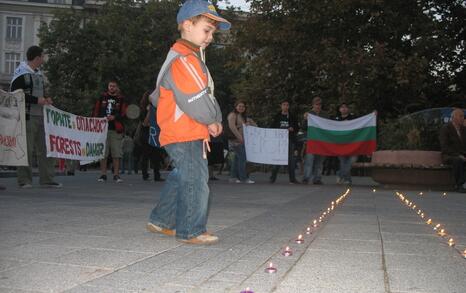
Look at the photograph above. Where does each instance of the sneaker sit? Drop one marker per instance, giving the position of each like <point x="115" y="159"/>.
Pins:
<point x="117" y="179"/>
<point x="339" y="180"/>
<point x="249" y="181"/>
<point x="305" y="181"/>
<point x="204" y="238"/>
<point x="294" y="182"/>
<point x="156" y="229"/>
<point x="52" y="185"/>
<point x="25" y="186"/>
<point x="318" y="182"/>
<point x="237" y="181"/>
<point x="102" y="178"/>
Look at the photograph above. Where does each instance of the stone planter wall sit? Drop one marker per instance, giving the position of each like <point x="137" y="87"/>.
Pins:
<point x="411" y="169"/>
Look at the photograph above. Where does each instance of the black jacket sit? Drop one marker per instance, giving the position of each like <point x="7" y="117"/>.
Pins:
<point x="284" y="122"/>
<point x="451" y="144"/>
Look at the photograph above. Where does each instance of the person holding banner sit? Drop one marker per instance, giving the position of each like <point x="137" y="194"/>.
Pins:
<point x="344" y="173"/>
<point x="285" y="120"/>
<point x="28" y="77"/>
<point x="236" y="119"/>
<point x="112" y="105"/>
<point x="313" y="162"/>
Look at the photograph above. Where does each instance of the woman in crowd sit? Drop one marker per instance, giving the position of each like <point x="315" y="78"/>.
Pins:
<point x="236" y="119"/>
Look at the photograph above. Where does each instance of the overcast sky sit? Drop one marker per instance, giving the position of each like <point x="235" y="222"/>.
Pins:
<point x="238" y="3"/>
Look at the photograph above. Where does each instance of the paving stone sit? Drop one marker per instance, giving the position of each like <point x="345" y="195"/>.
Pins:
<point x="101" y="258"/>
<point x="48" y="277"/>
<point x="94" y="239"/>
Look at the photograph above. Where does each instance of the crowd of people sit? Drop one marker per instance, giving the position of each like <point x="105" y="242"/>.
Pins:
<point x="189" y="118"/>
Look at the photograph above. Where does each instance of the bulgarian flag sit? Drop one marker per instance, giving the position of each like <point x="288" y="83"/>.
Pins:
<point x="341" y="138"/>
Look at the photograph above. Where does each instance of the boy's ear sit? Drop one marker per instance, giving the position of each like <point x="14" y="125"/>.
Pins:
<point x="186" y="25"/>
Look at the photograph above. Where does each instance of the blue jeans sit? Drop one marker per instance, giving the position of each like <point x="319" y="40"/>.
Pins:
<point x="184" y="198"/>
<point x="345" y="167"/>
<point x="313" y="167"/>
<point x="238" y="168"/>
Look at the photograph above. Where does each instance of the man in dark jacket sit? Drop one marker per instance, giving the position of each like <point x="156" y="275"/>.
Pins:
<point x="453" y="144"/>
<point x="285" y="120"/>
<point x="28" y="77"/>
<point x="113" y="106"/>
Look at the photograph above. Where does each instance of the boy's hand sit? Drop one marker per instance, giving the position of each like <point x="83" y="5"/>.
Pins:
<point x="215" y="129"/>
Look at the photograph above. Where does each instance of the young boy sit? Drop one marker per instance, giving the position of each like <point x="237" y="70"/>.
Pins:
<point x="187" y="112"/>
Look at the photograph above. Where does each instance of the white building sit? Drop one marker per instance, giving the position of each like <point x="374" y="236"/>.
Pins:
<point x="19" y="24"/>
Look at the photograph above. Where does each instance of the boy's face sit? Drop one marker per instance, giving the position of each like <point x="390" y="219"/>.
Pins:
<point x="200" y="33"/>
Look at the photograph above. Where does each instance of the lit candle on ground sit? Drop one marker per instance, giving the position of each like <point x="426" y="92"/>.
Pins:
<point x="451" y="242"/>
<point x="421" y="193"/>
<point x="247" y="290"/>
<point x="419" y="212"/>
<point x="442" y="232"/>
<point x="464" y="253"/>
<point x="444" y="194"/>
<point x="428" y="222"/>
<point x="271" y="269"/>
<point x="308" y="230"/>
<point x="314" y="223"/>
<point x="374" y="190"/>
<point x="287" y="251"/>
<point x="422" y="215"/>
<point x="320" y="219"/>
<point x="414" y="207"/>
<point x="436" y="227"/>
<point x="300" y="239"/>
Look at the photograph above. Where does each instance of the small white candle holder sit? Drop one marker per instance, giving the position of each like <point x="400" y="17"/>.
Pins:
<point x="300" y="239"/>
<point x="451" y="242"/>
<point x="287" y="251"/>
<point x="271" y="269"/>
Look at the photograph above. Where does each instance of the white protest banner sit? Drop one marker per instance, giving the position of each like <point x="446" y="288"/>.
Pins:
<point x="266" y="145"/>
<point x="13" y="145"/>
<point x="69" y="136"/>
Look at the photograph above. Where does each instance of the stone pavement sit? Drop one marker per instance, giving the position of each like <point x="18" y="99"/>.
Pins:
<point x="91" y="237"/>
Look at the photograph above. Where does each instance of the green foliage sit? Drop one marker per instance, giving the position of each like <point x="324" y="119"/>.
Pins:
<point x="393" y="56"/>
<point x="127" y="40"/>
<point x="409" y="133"/>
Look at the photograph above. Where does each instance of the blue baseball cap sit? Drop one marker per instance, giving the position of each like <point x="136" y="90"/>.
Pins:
<point x="193" y="8"/>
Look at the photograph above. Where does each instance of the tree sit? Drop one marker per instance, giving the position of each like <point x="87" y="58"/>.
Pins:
<point x="393" y="56"/>
<point x="125" y="39"/>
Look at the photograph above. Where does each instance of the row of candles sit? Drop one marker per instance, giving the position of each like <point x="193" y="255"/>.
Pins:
<point x="313" y="226"/>
<point x="437" y="227"/>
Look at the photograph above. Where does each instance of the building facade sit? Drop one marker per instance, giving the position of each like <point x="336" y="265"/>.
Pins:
<point x="19" y="25"/>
